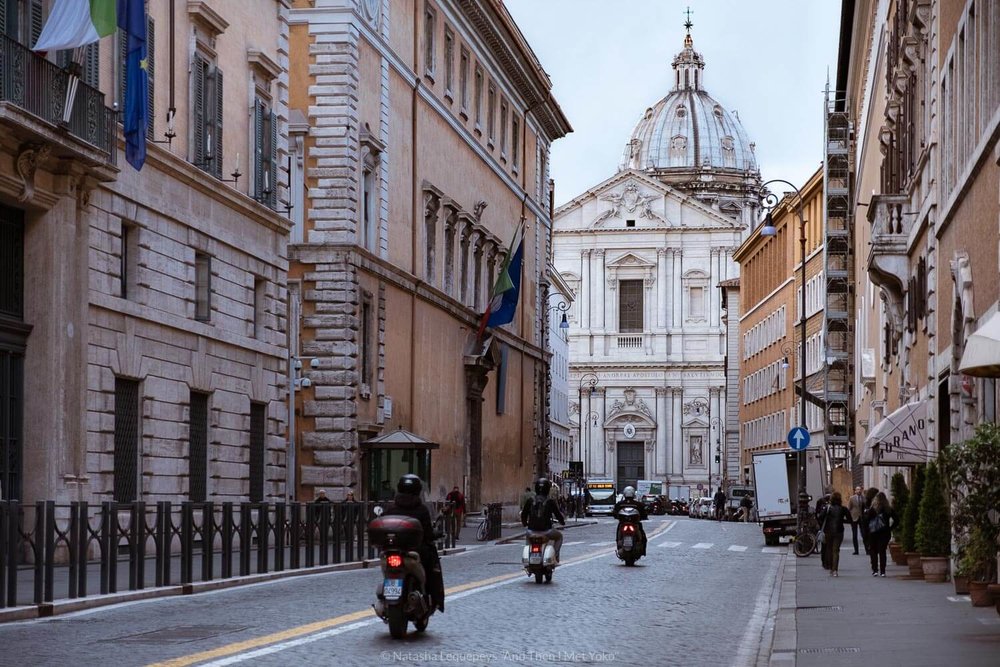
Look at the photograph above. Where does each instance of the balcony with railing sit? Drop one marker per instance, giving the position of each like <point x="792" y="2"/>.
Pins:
<point x="33" y="105"/>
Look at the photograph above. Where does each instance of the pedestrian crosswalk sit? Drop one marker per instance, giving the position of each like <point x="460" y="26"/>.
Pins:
<point x="705" y="546"/>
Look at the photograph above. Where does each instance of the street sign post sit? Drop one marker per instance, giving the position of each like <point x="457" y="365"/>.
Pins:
<point x="798" y="438"/>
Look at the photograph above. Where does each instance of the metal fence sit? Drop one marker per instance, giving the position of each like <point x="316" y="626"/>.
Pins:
<point x="39" y="87"/>
<point x="53" y="551"/>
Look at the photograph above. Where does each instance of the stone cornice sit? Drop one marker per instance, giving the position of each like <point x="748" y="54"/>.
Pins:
<point x="520" y="63"/>
<point x="200" y="12"/>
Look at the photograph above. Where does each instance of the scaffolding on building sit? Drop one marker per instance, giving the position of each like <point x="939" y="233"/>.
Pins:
<point x="838" y="324"/>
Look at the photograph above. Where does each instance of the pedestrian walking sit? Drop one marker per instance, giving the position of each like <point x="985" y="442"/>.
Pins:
<point x="881" y="520"/>
<point x="834" y="517"/>
<point x="719" y="500"/>
<point x="747" y="506"/>
<point x="457" y="499"/>
<point x="856" y="506"/>
<point x="321" y="497"/>
<point x="821" y="507"/>
<point x="349" y="498"/>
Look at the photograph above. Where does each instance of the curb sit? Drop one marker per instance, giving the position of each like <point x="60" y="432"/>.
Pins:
<point x="784" y="642"/>
<point x="58" y="607"/>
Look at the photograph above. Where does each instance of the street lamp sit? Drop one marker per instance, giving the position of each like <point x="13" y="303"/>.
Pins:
<point x="562" y="307"/>
<point x="769" y="201"/>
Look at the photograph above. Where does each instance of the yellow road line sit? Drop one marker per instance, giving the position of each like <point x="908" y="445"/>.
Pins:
<point x="310" y="628"/>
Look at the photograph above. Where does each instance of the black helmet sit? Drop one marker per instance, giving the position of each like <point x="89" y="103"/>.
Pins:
<point x="542" y="486"/>
<point x="409" y="484"/>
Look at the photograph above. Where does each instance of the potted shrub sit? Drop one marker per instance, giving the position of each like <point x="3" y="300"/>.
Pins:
<point x="933" y="538"/>
<point x="910" y="524"/>
<point x="900" y="498"/>
<point x="973" y="476"/>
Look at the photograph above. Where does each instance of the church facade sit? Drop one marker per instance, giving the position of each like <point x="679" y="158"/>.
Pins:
<point x="644" y="253"/>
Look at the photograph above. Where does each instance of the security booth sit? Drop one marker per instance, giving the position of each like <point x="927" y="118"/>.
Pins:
<point x="388" y="457"/>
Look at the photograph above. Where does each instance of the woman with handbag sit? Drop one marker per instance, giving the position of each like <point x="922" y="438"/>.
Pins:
<point x="833" y="531"/>
<point x="881" y="521"/>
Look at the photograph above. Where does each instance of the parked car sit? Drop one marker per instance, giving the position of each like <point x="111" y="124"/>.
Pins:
<point x="706" y="508"/>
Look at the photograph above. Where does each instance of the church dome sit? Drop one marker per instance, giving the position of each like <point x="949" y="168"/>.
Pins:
<point x="688" y="129"/>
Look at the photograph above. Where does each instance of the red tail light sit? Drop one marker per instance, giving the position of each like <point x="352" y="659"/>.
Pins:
<point x="536" y="548"/>
<point x="628" y="529"/>
<point x="394" y="560"/>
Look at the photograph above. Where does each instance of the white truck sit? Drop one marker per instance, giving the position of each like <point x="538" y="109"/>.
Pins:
<point x="776" y="484"/>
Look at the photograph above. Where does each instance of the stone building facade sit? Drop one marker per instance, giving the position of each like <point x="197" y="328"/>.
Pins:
<point x="142" y="330"/>
<point x="927" y="174"/>
<point x="644" y="252"/>
<point x="421" y="134"/>
<point x="770" y="334"/>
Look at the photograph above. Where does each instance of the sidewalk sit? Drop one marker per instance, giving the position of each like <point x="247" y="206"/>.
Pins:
<point x="858" y="619"/>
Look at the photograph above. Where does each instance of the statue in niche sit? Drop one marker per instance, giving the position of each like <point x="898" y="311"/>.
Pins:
<point x="695" y="455"/>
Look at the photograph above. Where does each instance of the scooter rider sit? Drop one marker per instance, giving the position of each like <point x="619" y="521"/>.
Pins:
<point x="538" y="513"/>
<point x="407" y="503"/>
<point x="628" y="500"/>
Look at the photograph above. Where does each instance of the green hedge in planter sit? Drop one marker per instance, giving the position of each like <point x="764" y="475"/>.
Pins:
<point x="933" y="537"/>
<point x="900" y="498"/>
<point x="913" y="511"/>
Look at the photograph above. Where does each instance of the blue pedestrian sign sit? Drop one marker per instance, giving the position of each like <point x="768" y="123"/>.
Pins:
<point x="798" y="438"/>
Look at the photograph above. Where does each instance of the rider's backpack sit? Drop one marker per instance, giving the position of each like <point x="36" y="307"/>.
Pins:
<point x="539" y="513"/>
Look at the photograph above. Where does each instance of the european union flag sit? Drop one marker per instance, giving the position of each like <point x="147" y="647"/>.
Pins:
<point x="132" y="19"/>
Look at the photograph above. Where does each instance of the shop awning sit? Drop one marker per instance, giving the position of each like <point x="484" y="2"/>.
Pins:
<point x="982" y="350"/>
<point x="399" y="439"/>
<point x="900" y="439"/>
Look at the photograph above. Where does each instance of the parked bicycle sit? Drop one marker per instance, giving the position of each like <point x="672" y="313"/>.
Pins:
<point x="489" y="527"/>
<point x="805" y="542"/>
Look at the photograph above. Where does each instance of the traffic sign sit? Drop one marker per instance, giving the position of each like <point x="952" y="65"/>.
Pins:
<point x="798" y="438"/>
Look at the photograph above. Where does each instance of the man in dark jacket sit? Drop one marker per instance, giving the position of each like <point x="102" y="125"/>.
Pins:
<point x="628" y="500"/>
<point x="457" y="500"/>
<point x="719" y="500"/>
<point x="537" y="514"/>
<point x="407" y="503"/>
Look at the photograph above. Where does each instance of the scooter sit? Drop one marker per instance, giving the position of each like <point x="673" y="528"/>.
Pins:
<point x="630" y="547"/>
<point x="539" y="557"/>
<point x="402" y="594"/>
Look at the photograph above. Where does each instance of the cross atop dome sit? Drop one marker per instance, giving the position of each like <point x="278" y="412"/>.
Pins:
<point x="688" y="64"/>
<point x="688" y="42"/>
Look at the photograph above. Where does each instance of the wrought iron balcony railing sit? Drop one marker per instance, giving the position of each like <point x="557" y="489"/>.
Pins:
<point x="38" y="87"/>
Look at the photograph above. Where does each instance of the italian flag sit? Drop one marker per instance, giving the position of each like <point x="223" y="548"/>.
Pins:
<point x="76" y="23"/>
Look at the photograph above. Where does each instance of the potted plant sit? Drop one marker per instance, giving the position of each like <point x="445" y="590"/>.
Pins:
<point x="900" y="498"/>
<point x="933" y="538"/>
<point x="910" y="524"/>
<point x="973" y="477"/>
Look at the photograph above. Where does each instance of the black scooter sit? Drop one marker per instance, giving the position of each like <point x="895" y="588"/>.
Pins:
<point x="631" y="546"/>
<point x="402" y="595"/>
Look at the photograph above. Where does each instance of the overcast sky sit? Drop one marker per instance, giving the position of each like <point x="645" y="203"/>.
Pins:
<point x="610" y="59"/>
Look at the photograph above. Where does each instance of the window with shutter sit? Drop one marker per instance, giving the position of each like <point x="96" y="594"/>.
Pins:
<point x="265" y="168"/>
<point x="213" y="118"/>
<point x="198" y="448"/>
<point x="126" y="438"/>
<point x="37" y="20"/>
<point x="198" y="112"/>
<point x="258" y="419"/>
<point x="203" y="287"/>
<point x="630" y="306"/>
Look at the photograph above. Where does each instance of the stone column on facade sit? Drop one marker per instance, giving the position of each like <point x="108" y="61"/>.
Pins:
<point x="599" y="448"/>
<point x="465" y="250"/>
<point x="678" y="444"/>
<point x="492" y="250"/>
<point x="661" y="288"/>
<point x="668" y="288"/>
<point x="432" y="205"/>
<point x="713" y="297"/>
<point x="452" y="250"/>
<point x="678" y="308"/>
<point x="660" y="453"/>
<point x="649" y="305"/>
<point x="478" y="241"/>
<point x="668" y="431"/>
<point x="585" y="289"/>
<point x="596" y="289"/>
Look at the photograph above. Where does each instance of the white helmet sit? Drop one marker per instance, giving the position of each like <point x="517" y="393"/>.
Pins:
<point x="629" y="492"/>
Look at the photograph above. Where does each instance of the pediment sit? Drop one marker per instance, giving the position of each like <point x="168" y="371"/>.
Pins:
<point x="631" y="259"/>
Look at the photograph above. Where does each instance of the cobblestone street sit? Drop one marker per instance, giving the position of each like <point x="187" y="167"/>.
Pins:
<point x="701" y="596"/>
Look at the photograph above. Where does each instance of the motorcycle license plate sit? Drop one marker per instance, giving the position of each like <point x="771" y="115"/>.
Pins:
<point x="535" y="559"/>
<point x="392" y="589"/>
<point x="627" y="542"/>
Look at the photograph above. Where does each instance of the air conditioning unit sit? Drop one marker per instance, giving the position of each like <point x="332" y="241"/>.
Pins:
<point x="868" y="365"/>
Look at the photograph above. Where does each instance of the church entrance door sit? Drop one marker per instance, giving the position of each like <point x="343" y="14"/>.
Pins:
<point x="631" y="463"/>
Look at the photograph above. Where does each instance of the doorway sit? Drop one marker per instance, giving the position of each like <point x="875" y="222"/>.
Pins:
<point x="631" y="463"/>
